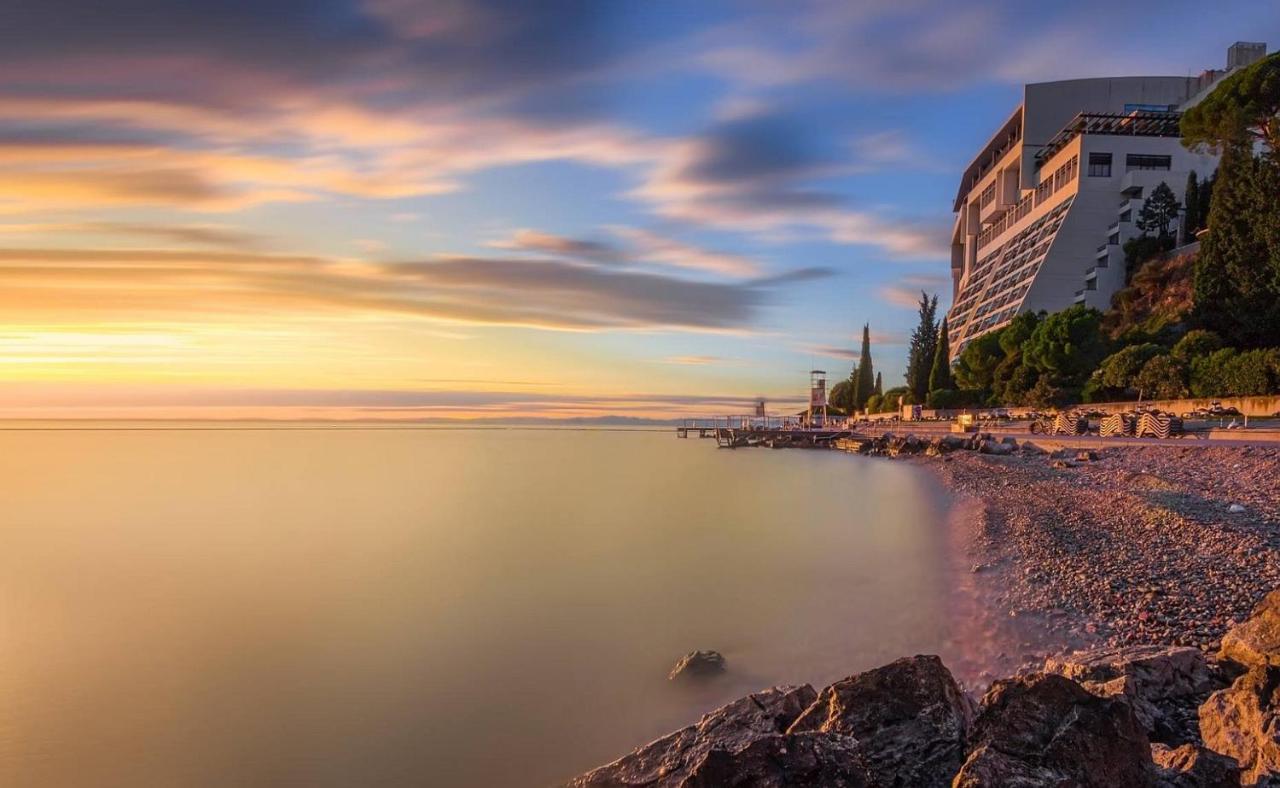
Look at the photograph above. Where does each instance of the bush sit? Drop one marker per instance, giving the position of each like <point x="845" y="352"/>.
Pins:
<point x="1195" y="344"/>
<point x="1208" y="373"/>
<point x="1162" y="378"/>
<point x="891" y="400"/>
<point x="1119" y="371"/>
<point x="1141" y="249"/>
<point x="1045" y="394"/>
<point x="1251" y="373"/>
<point x="873" y="403"/>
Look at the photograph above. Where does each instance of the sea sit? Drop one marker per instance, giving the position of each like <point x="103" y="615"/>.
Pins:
<point x="379" y="605"/>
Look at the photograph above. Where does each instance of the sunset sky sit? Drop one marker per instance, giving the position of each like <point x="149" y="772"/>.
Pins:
<point x="398" y="209"/>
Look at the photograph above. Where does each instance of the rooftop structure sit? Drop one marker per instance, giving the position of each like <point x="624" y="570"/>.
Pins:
<point x="1045" y="205"/>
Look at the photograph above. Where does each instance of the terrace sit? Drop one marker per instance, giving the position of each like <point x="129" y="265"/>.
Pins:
<point x="1134" y="124"/>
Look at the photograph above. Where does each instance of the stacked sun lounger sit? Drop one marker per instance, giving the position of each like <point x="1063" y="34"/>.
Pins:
<point x="1070" y="424"/>
<point x="1152" y="424"/>
<point x="1123" y="424"/>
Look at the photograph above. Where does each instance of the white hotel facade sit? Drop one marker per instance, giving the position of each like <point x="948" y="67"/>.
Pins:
<point x="1043" y="209"/>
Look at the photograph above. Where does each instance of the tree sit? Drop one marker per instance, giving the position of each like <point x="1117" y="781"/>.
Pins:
<point x="1236" y="281"/>
<point x="1159" y="212"/>
<point x="879" y="386"/>
<point x="1161" y="378"/>
<point x="923" y="346"/>
<point x="865" y="385"/>
<point x="1191" y="212"/>
<point x="976" y="366"/>
<point x="1067" y="346"/>
<point x="840" y="396"/>
<point x="1119" y="371"/>
<point x="940" y="374"/>
<point x="892" y="399"/>
<point x="1243" y="108"/>
<point x="1195" y="344"/>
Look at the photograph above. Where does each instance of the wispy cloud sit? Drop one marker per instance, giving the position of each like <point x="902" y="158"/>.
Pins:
<point x="906" y="291"/>
<point x="542" y="293"/>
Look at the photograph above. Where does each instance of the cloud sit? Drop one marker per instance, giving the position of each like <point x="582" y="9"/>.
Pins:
<point x="574" y="248"/>
<point x="761" y="174"/>
<point x="693" y="361"/>
<point x="118" y="285"/>
<point x="906" y="291"/>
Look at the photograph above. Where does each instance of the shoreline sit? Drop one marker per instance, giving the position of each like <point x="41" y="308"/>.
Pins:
<point x="1139" y="546"/>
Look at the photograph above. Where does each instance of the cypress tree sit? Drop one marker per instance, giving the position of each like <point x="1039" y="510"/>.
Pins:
<point x="940" y="375"/>
<point x="1191" y="208"/>
<point x="866" y="376"/>
<point x="879" y="386"/>
<point x="924" y="340"/>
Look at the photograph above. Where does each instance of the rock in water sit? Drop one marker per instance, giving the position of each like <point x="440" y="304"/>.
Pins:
<point x="1157" y="681"/>
<point x="1243" y="722"/>
<point x="910" y="718"/>
<point x="1257" y="640"/>
<point x="730" y="729"/>
<point x="1190" y="766"/>
<point x="697" y="664"/>
<point x="1047" y="730"/>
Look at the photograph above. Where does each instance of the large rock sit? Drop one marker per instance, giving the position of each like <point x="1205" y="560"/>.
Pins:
<point x="1047" y="730"/>
<point x="1159" y="682"/>
<point x="802" y="760"/>
<point x="910" y="718"/>
<point x="698" y="664"/>
<point x="1190" y="766"/>
<point x="731" y="729"/>
<point x="1257" y="640"/>
<point x="1243" y="722"/>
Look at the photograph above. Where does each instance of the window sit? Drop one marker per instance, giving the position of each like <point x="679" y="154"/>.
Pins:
<point x="1099" y="165"/>
<point x="1138" y="161"/>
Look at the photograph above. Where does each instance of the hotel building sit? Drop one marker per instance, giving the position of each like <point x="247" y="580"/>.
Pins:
<point x="1045" y="206"/>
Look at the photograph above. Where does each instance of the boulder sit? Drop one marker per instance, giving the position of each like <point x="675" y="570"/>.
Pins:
<point x="1257" y="640"/>
<point x="1243" y="722"/>
<point x="803" y="760"/>
<point x="1043" y="729"/>
<point x="1086" y="456"/>
<point x="729" y="729"/>
<point x="992" y="447"/>
<point x="910" y="718"/>
<point x="1028" y="448"/>
<point x="1190" y="766"/>
<point x="698" y="664"/>
<point x="1156" y="680"/>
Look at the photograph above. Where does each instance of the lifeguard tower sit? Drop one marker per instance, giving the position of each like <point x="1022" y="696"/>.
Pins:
<point x="817" y="416"/>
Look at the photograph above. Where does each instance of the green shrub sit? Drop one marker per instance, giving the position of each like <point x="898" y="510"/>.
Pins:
<point x="1208" y="373"/>
<point x="951" y="399"/>
<point x="1119" y="371"/>
<point x="1195" y="344"/>
<point x="873" y="403"/>
<point x="1251" y="373"/>
<point x="1162" y="378"/>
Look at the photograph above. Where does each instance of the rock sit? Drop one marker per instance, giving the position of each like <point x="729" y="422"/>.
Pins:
<point x="1257" y="640"/>
<point x="1086" y="456"/>
<point x="1030" y="448"/>
<point x="1190" y="766"/>
<point x="729" y="729"/>
<point x="991" y="447"/>
<point x="1157" y="680"/>
<point x="1046" y="730"/>
<point x="1243" y="722"/>
<point x="1062" y="464"/>
<point x="698" y="664"/>
<point x="910" y="718"/>
<point x="1235" y="508"/>
<point x="807" y="760"/>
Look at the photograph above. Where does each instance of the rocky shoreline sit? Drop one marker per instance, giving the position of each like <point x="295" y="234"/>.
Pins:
<point x="1120" y="596"/>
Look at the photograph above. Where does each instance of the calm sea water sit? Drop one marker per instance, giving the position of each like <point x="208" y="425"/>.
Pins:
<point x="426" y="607"/>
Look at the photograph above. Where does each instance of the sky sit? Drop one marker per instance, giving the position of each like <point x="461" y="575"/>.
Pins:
<point x="478" y="209"/>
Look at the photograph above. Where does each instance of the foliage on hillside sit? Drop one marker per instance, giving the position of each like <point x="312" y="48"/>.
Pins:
<point x="1157" y="302"/>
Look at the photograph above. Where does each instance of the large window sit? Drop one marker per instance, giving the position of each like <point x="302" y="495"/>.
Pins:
<point x="1138" y="161"/>
<point x="1100" y="165"/>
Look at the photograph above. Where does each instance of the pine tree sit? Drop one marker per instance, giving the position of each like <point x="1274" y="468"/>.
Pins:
<point x="1234" y="284"/>
<point x="879" y="386"/>
<point x="923" y="345"/>
<point x="866" y="376"/>
<point x="1205" y="200"/>
<point x="1159" y="212"/>
<point x="1191" y="210"/>
<point x="940" y="374"/>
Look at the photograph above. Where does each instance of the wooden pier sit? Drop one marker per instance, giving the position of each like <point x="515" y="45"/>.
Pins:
<point x="735" y="432"/>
